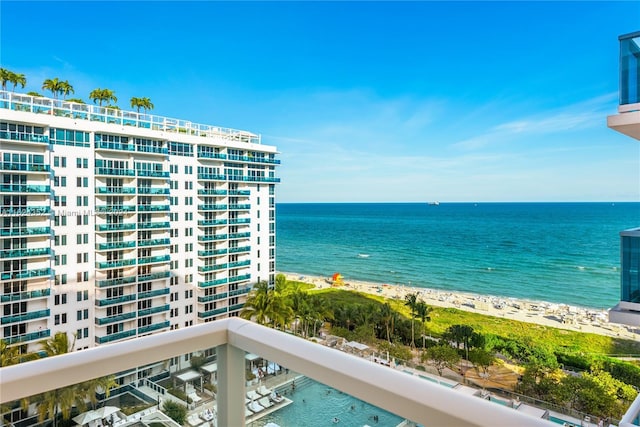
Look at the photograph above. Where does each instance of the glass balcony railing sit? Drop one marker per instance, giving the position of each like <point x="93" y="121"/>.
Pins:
<point x="153" y="174"/>
<point x="24" y="188"/>
<point x="253" y="159"/>
<point x="26" y="274"/>
<point x="153" y="327"/>
<point x="239" y="264"/>
<point x="211" y="177"/>
<point x="31" y="336"/>
<point x="115" y="264"/>
<point x="212" y="252"/>
<point x="240" y="192"/>
<point x="235" y="307"/>
<point x="154" y="242"/>
<point x="242" y="207"/>
<point x="113" y="301"/>
<point x="154" y="259"/>
<point x="212" y="207"/>
<point x="211" y="283"/>
<point x="239" y="249"/>
<point x="630" y="68"/>
<point x="153" y="310"/>
<point x="23" y="317"/>
<point x="40" y="293"/>
<point x="212" y="237"/>
<point x="116" y="227"/>
<point x="153" y="208"/>
<point x="210" y="192"/>
<point x="154" y="276"/>
<point x="239" y="221"/>
<point x="26" y="210"/>
<point x="115" y="245"/>
<point x="208" y="155"/>
<point x="210" y="313"/>
<point x="239" y="278"/>
<point x="25" y="167"/>
<point x="115" y="172"/>
<point x="154" y="293"/>
<point x="26" y="137"/>
<point x="152" y="150"/>
<point x="239" y="235"/>
<point x="212" y="222"/>
<point x="119" y="281"/>
<point x="102" y="145"/>
<point x="212" y="267"/>
<point x="152" y="225"/>
<point x="25" y="253"/>
<point x="115" y="209"/>
<point x="116" y="336"/>
<point x="116" y="190"/>
<point x="153" y="191"/>
<point x="114" y="319"/>
<point x="241" y="291"/>
<point x="214" y="297"/>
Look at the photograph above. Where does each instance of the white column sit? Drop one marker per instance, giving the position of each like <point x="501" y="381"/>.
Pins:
<point x="231" y="390"/>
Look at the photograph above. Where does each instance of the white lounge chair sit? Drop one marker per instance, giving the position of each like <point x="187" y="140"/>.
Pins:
<point x="253" y="395"/>
<point x="263" y="390"/>
<point x="276" y="398"/>
<point x="193" y="420"/>
<point x="265" y="402"/>
<point x="195" y="398"/>
<point x="255" y="407"/>
<point x="247" y="412"/>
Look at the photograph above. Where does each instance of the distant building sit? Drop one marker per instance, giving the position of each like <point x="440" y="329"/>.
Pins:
<point x="627" y="121"/>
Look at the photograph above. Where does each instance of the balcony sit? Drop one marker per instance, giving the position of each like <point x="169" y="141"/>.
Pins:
<point x="390" y="389"/>
<point x="105" y="283"/>
<point x="240" y="207"/>
<point x="235" y="307"/>
<point x="115" y="209"/>
<point x="627" y="121"/>
<point x="114" y="319"/>
<point x="154" y="259"/>
<point x="239" y="278"/>
<point x="212" y="237"/>
<point x="208" y="155"/>
<point x="211" y="283"/>
<point x="153" y="242"/>
<point x="208" y="192"/>
<point x="152" y="150"/>
<point x="113" y="301"/>
<point x="213" y="252"/>
<point x="116" y="190"/>
<point x="212" y="267"/>
<point x="153" y="191"/>
<point x="114" y="146"/>
<point x="154" y="327"/>
<point x="239" y="249"/>
<point x="25" y="253"/>
<point x="26" y="210"/>
<point x="23" y="317"/>
<point x="31" y="336"/>
<point x="236" y="221"/>
<point x="211" y="313"/>
<point x="240" y="192"/>
<point x="24" y="137"/>
<point x="25" y="167"/>
<point x="212" y="222"/>
<point x="40" y="293"/>
<point x="103" y="265"/>
<point x="116" y="227"/>
<point x="153" y="225"/>
<point x="153" y="208"/>
<point x="116" y="336"/>
<point x="154" y="276"/>
<point x="212" y="207"/>
<point x="25" y="188"/>
<point x="239" y="264"/>
<point x="239" y="235"/>
<point x="214" y="297"/>
<point x="211" y="177"/>
<point x="115" y="245"/>
<point x="115" y="172"/>
<point x="26" y="274"/>
<point x="152" y="294"/>
<point x="240" y="291"/>
<point x="153" y="310"/>
<point x="152" y="174"/>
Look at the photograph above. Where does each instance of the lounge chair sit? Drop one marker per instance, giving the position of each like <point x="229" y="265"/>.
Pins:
<point x="275" y="397"/>
<point x="263" y="390"/>
<point x="193" y="420"/>
<point x="255" y="407"/>
<point x="195" y="398"/>
<point x="265" y="402"/>
<point x="247" y="412"/>
<point x="253" y="395"/>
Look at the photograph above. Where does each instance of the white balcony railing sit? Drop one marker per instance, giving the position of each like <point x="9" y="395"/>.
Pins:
<point x="407" y="396"/>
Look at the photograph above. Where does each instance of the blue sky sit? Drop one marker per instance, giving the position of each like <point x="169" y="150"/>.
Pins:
<point x="366" y="101"/>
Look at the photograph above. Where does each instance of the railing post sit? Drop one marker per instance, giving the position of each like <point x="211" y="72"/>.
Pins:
<point x="231" y="391"/>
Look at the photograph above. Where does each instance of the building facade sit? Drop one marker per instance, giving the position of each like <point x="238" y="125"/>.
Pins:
<point x="119" y="224"/>
<point x="627" y="122"/>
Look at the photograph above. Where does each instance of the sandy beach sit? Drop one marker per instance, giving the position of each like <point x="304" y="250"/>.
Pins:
<point x="538" y="312"/>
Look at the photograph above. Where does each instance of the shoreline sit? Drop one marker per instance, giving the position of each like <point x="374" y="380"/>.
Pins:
<point x="561" y="316"/>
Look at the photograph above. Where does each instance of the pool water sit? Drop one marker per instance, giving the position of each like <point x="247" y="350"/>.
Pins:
<point x="315" y="404"/>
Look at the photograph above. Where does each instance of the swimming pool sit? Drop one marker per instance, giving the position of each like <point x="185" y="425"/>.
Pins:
<point x="315" y="404"/>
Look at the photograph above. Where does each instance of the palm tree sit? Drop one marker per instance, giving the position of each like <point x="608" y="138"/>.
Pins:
<point x="423" y="311"/>
<point x="66" y="88"/>
<point x="33" y="93"/>
<point x="58" y="344"/>
<point x="5" y="76"/>
<point x="411" y="301"/>
<point x="387" y="316"/>
<point x="102" y="95"/>
<point x="76" y="100"/>
<point x="266" y="307"/>
<point x="144" y="103"/>
<point x="17" y="79"/>
<point x="53" y="85"/>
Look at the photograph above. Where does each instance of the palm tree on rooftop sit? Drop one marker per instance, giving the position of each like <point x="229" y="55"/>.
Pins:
<point x="17" y="79"/>
<point x="53" y="85"/>
<point x="66" y="88"/>
<point x="144" y="103"/>
<point x="5" y="76"/>
<point x="102" y="95"/>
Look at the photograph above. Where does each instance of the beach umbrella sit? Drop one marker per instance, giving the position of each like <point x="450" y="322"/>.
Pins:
<point x="86" y="417"/>
<point x="105" y="411"/>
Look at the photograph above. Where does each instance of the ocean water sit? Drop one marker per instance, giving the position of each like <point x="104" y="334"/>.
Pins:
<point x="558" y="252"/>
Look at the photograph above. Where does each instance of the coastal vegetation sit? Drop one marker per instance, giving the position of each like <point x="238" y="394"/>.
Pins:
<point x="572" y="370"/>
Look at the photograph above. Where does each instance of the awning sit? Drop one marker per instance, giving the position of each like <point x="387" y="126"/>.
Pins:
<point x="211" y="367"/>
<point x="252" y="357"/>
<point x="188" y="376"/>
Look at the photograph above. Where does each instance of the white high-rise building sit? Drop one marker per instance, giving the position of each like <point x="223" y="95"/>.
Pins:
<point x="118" y="224"/>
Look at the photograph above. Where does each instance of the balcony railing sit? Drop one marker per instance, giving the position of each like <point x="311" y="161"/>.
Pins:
<point x="154" y="276"/>
<point x="153" y="310"/>
<point x="114" y="319"/>
<point x="210" y="283"/>
<point x="26" y="274"/>
<point x="116" y="190"/>
<point x="105" y="283"/>
<point x="211" y="222"/>
<point x="115" y="172"/>
<point x="210" y="313"/>
<point x="115" y="263"/>
<point x="26" y="210"/>
<point x="154" y="242"/>
<point x="214" y="297"/>
<point x="239" y="278"/>
<point x="25" y="167"/>
<point x="212" y="237"/>
<point x="154" y="259"/>
<point x="117" y="336"/>
<point x="113" y="301"/>
<point x="39" y="314"/>
<point x="153" y="327"/>
<point x="31" y="336"/>
<point x="206" y="192"/>
<point x="213" y="252"/>
<point x="21" y="136"/>
<point x="155" y="293"/>
<point x="408" y="396"/>
<point x="39" y="293"/>
<point x="24" y="188"/>
<point x="212" y="267"/>
<point x="25" y="253"/>
<point x="115" y="245"/>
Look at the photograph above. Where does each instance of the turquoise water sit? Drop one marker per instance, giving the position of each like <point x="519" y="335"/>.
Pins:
<point x="315" y="405"/>
<point x="558" y="252"/>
